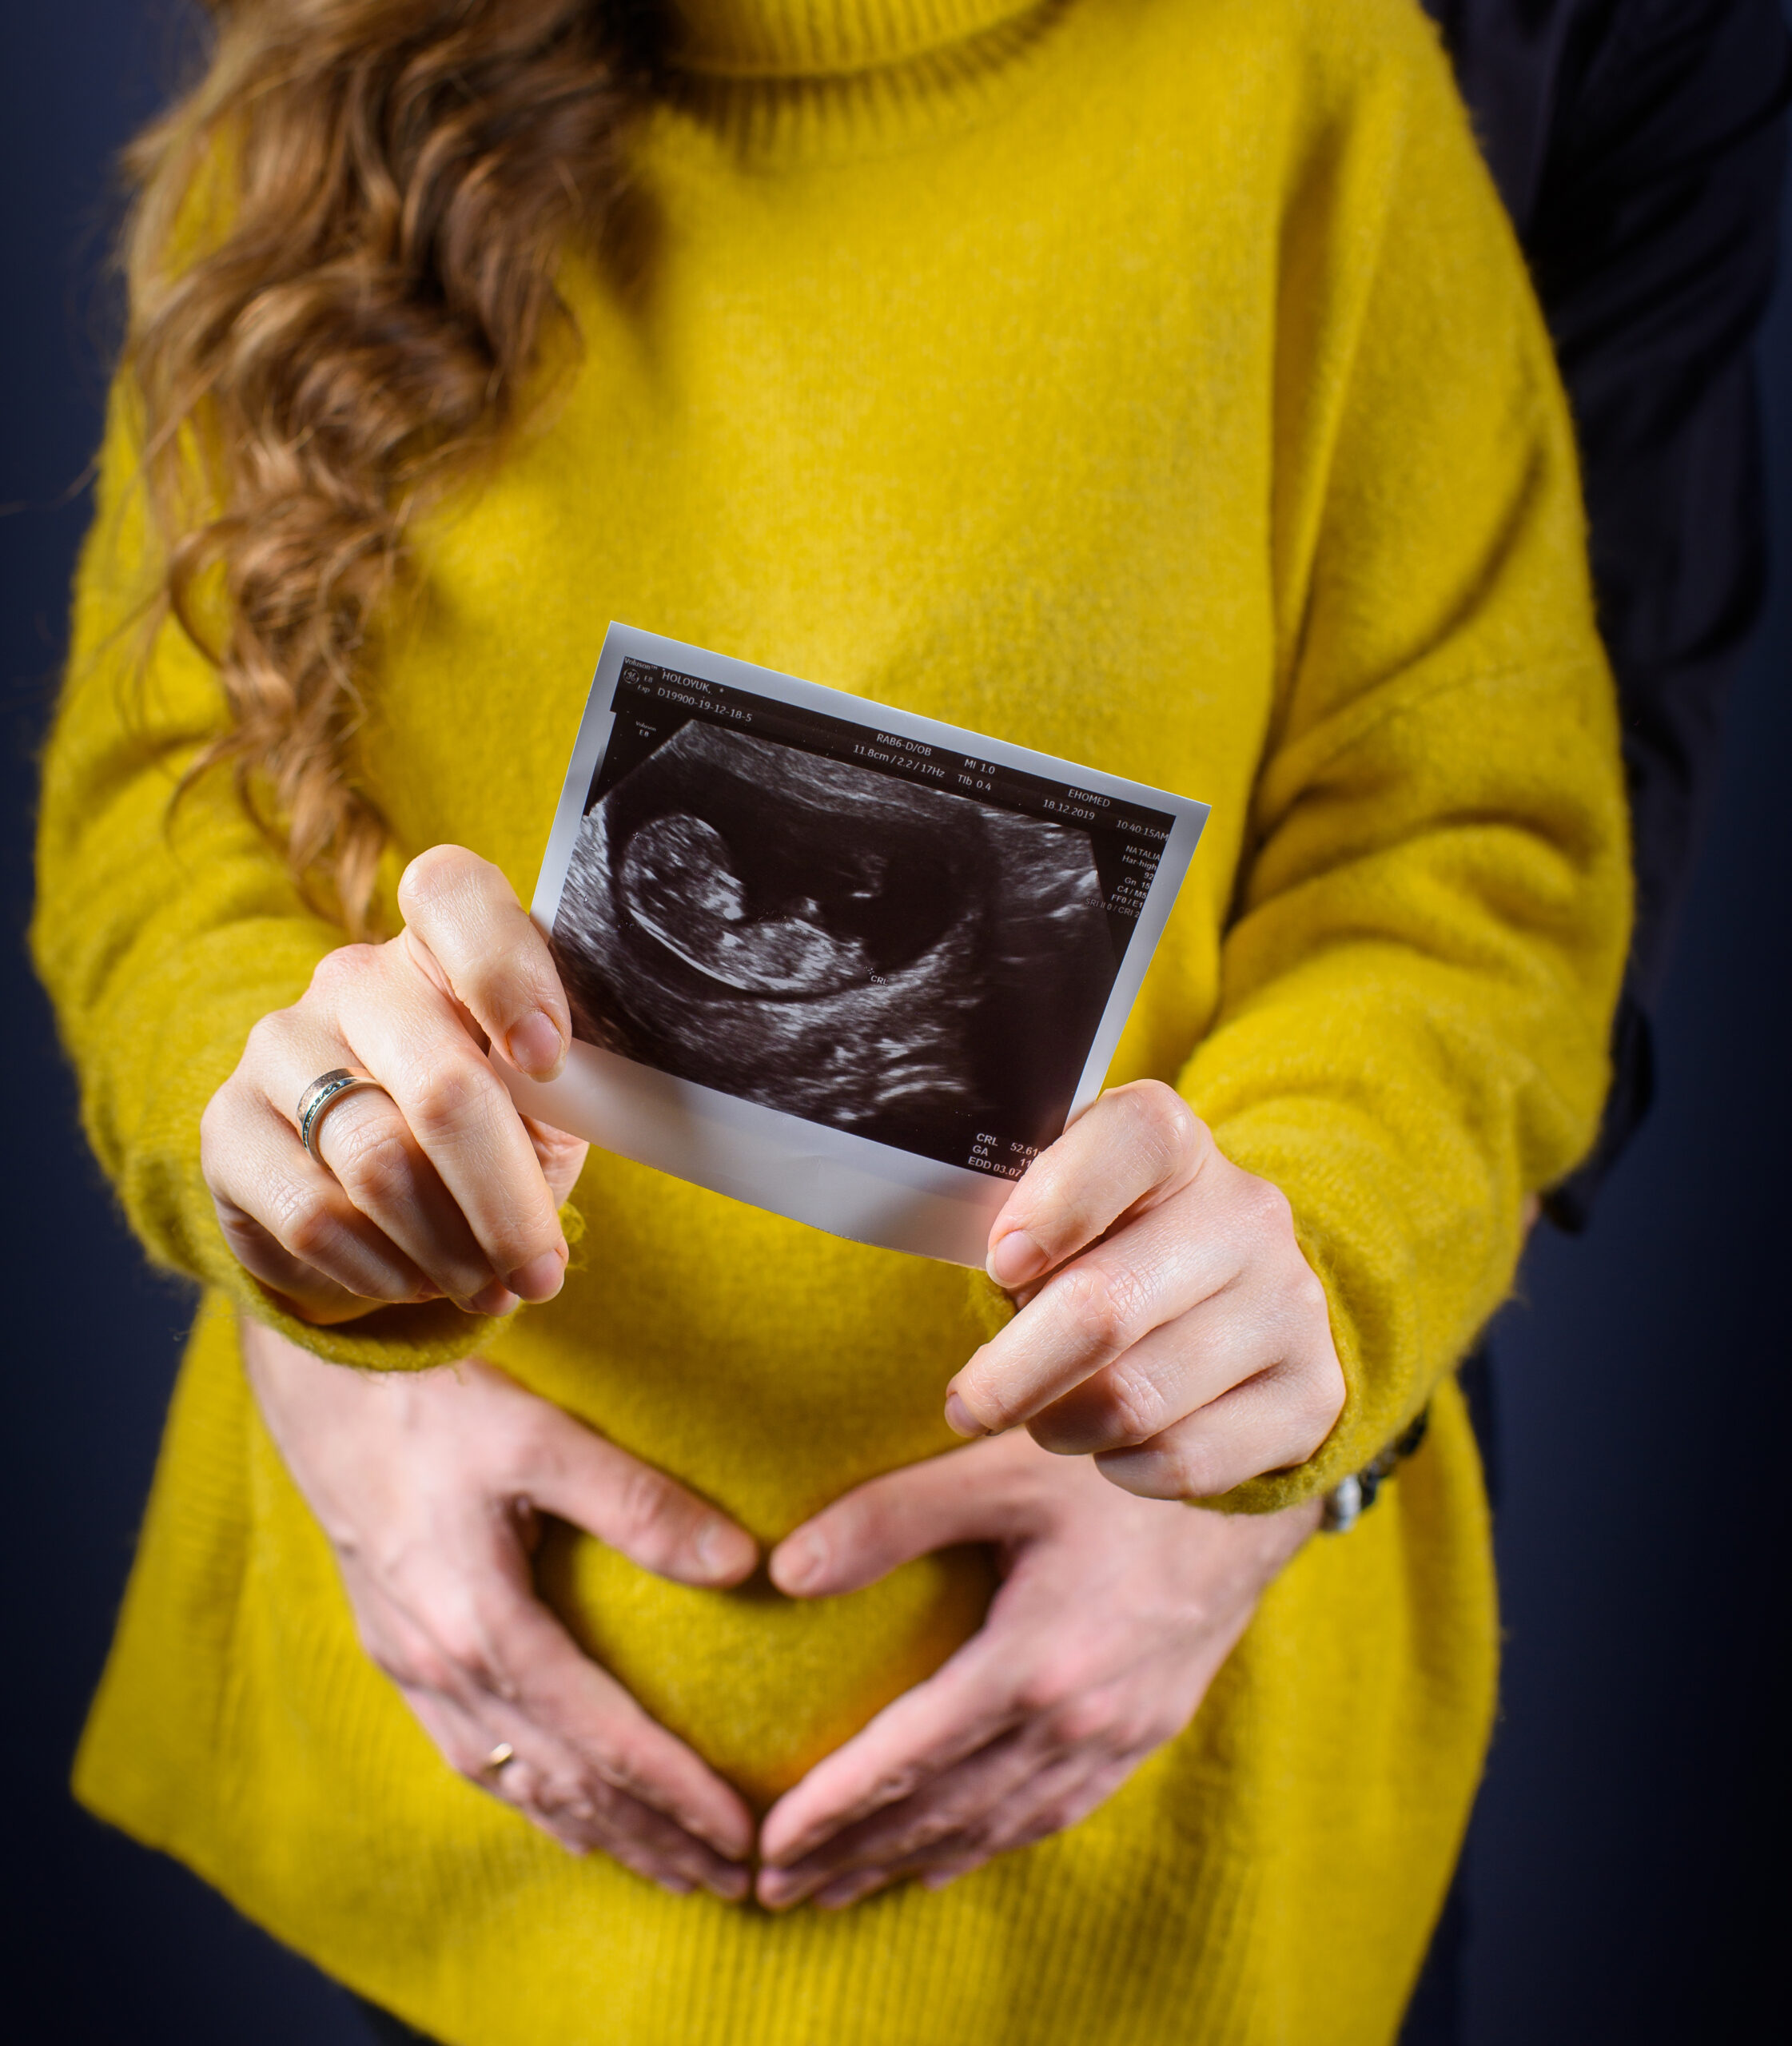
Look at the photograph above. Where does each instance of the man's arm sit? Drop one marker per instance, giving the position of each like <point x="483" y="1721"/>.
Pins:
<point x="1639" y="146"/>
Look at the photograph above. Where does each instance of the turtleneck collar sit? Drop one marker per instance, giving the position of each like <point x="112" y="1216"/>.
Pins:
<point x="823" y="38"/>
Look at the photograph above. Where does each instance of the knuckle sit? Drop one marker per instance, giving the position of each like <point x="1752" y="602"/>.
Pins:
<point x="590" y="1806"/>
<point x="372" y="1163"/>
<point x="442" y="1094"/>
<point x="1187" y="1464"/>
<point x="466" y="1650"/>
<point x="1166" y="1131"/>
<point x="332" y="973"/>
<point x="892" y="1786"/>
<point x="410" y="1665"/>
<point x="266" y="1033"/>
<point x="1100" y="1305"/>
<point x="981" y="1835"/>
<point x="930" y="1829"/>
<point x="579" y="1793"/>
<point x="1319" y="1400"/>
<point x="561" y="1794"/>
<point x="440" y="872"/>
<point x="304" y="1222"/>
<point x="444" y="878"/>
<point x="1079" y="1721"/>
<point x="1196" y="1471"/>
<point x="1307" y="1298"/>
<point x="646" y="1515"/>
<point x="463" y="1660"/>
<point x="1045" y="1691"/>
<point x="242" y="1232"/>
<point x="626" y="1775"/>
<point x="1135" y="1409"/>
<point x="1264" y="1209"/>
<point x="424" y="1671"/>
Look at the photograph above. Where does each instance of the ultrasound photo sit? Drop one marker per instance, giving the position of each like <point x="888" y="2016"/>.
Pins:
<point x="845" y="944"/>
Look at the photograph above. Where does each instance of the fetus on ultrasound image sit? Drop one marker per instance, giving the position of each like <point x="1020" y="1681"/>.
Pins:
<point x="858" y="949"/>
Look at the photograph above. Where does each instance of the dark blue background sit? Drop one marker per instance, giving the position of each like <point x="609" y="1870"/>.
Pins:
<point x="1628" y="1869"/>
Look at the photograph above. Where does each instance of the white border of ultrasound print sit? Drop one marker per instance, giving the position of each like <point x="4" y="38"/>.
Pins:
<point x="850" y="1185"/>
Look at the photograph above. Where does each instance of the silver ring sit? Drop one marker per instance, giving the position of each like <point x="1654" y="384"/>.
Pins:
<point x="326" y="1088"/>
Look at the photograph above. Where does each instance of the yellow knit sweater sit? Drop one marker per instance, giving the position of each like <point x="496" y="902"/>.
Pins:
<point x="1154" y="382"/>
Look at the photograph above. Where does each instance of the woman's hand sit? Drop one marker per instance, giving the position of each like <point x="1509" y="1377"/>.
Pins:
<point x="1171" y="1326"/>
<point x="439" y="1185"/>
<point x="1112" y="1618"/>
<point x="429" y="1485"/>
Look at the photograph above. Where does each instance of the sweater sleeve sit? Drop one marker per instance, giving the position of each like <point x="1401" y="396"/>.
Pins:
<point x="1430" y="920"/>
<point x="164" y="930"/>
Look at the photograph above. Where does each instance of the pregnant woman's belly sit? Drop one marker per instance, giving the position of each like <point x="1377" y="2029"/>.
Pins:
<point x="762" y="1685"/>
<point x="771" y="1368"/>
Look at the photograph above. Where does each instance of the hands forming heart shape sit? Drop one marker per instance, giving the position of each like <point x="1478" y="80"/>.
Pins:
<point x="1114" y="1615"/>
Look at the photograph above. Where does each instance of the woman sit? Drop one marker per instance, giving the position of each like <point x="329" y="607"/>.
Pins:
<point x="1152" y="382"/>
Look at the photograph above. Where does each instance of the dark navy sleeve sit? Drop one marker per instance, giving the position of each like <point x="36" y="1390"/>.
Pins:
<point x="1639" y="146"/>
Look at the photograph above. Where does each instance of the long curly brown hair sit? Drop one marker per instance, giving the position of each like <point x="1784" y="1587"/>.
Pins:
<point x="339" y="258"/>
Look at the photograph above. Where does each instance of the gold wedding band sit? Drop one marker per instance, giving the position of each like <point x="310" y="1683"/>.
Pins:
<point x="328" y="1087"/>
<point x="499" y="1755"/>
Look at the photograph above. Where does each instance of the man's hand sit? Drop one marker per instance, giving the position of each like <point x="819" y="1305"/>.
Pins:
<point x="1113" y="1616"/>
<point x="429" y="1485"/>
<point x="1171" y="1325"/>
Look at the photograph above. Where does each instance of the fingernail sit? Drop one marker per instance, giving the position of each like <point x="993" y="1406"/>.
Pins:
<point x="496" y="1298"/>
<point x="1015" y="1259"/>
<point x="540" y="1279"/>
<point x="961" y="1420"/>
<point x="675" y="1885"/>
<point x="801" y="1562"/>
<point x="731" y="1885"/>
<point x="535" y="1047"/>
<point x="938" y="1878"/>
